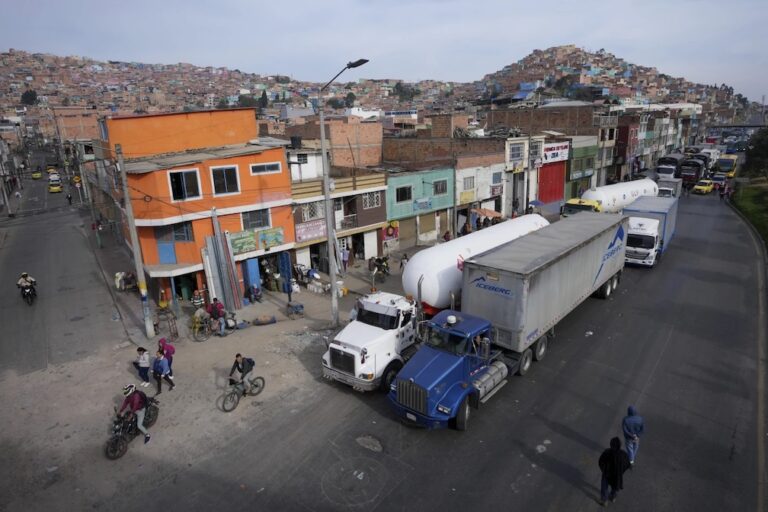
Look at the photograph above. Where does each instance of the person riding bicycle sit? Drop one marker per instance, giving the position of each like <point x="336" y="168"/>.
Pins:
<point x="26" y="281"/>
<point x="136" y="401"/>
<point x="245" y="366"/>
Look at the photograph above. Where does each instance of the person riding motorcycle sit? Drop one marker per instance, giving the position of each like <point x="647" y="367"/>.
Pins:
<point x="245" y="366"/>
<point x="26" y="281"/>
<point x="136" y="402"/>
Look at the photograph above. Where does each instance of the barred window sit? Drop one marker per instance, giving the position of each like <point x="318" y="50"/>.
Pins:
<point x="515" y="152"/>
<point x="302" y="158"/>
<point x="371" y="200"/>
<point x="256" y="219"/>
<point x="272" y="168"/>
<point x="312" y="211"/>
<point x="403" y="194"/>
<point x="469" y="183"/>
<point x="496" y="178"/>
<point x="182" y="232"/>
<point x="440" y="188"/>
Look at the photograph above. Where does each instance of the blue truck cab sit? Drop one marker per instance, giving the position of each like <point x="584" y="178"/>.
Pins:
<point x="453" y="371"/>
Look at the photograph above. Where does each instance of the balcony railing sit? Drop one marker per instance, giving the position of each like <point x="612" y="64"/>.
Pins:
<point x="347" y="222"/>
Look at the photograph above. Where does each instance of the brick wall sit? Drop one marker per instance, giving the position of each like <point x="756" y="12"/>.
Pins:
<point x="568" y="120"/>
<point x="352" y="144"/>
<point x="397" y="150"/>
<point x="467" y="161"/>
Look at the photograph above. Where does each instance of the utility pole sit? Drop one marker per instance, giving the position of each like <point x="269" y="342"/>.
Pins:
<point x="137" y="259"/>
<point x="83" y="179"/>
<point x="6" y="200"/>
<point x="329" y="220"/>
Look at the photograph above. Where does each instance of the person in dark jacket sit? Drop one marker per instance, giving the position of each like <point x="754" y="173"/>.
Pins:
<point x="614" y="462"/>
<point x="244" y="366"/>
<point x="633" y="428"/>
<point x="161" y="371"/>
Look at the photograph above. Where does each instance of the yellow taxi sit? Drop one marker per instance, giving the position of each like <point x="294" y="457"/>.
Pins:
<point x="36" y="175"/>
<point x="54" y="187"/>
<point x="52" y="170"/>
<point x="704" y="187"/>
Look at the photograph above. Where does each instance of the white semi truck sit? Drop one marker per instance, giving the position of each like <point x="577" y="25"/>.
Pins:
<point x="372" y="348"/>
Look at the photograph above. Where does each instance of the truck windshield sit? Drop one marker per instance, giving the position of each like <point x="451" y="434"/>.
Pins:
<point x="446" y="341"/>
<point x="570" y="209"/>
<point x="640" y="241"/>
<point x="379" y="320"/>
<point x="665" y="192"/>
<point x="725" y="164"/>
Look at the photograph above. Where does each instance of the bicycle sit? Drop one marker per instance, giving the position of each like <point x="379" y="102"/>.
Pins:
<point x="235" y="392"/>
<point x="201" y="329"/>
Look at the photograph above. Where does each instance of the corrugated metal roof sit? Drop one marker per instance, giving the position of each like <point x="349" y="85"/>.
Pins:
<point x="167" y="161"/>
<point x="527" y="253"/>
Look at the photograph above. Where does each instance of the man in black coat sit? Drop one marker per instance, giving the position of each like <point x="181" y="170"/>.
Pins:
<point x="613" y="463"/>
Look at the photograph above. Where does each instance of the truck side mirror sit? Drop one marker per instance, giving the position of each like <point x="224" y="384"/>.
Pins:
<point x="485" y="348"/>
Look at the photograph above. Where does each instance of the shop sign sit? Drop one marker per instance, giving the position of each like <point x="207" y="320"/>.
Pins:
<point x="515" y="167"/>
<point x="269" y="238"/>
<point x="497" y="190"/>
<point x="392" y="230"/>
<point x="242" y="242"/>
<point x="556" y="152"/>
<point x="310" y="230"/>
<point x="467" y="197"/>
<point x="422" y="204"/>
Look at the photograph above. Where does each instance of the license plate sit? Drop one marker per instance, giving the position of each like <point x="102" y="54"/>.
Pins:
<point x="410" y="416"/>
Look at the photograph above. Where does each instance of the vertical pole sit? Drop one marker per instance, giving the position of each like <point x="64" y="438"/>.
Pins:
<point x="137" y="259"/>
<point x="80" y="154"/>
<point x="329" y="219"/>
<point x="6" y="199"/>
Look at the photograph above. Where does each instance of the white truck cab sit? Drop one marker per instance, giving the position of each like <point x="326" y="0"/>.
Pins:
<point x="643" y="242"/>
<point x="372" y="348"/>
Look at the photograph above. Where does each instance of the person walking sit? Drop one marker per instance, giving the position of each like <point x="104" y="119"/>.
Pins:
<point x="403" y="261"/>
<point x="515" y="205"/>
<point x="142" y="365"/>
<point x="168" y="351"/>
<point x="633" y="427"/>
<point x="345" y="258"/>
<point x="161" y="371"/>
<point x="69" y="198"/>
<point x="613" y="463"/>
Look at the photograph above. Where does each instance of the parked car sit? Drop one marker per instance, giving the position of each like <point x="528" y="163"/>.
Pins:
<point x="703" y="187"/>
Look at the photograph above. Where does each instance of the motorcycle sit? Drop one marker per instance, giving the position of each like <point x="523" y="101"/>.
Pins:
<point x="124" y="429"/>
<point x="28" y="294"/>
<point x="379" y="267"/>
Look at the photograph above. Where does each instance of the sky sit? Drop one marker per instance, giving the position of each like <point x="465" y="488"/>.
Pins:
<point x="705" y="41"/>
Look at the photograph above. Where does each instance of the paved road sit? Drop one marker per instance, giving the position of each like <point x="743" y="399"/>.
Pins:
<point x="679" y="342"/>
<point x="74" y="310"/>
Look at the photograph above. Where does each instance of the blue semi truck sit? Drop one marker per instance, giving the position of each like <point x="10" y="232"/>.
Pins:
<point x="512" y="298"/>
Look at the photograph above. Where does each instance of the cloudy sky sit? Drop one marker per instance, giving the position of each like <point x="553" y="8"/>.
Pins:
<point x="706" y="41"/>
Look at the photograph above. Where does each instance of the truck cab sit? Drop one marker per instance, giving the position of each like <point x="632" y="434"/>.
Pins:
<point x="371" y="349"/>
<point x="644" y="243"/>
<point x="454" y="369"/>
<point x="574" y="206"/>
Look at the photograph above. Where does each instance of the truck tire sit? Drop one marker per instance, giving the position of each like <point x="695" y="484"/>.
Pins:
<point x="615" y="281"/>
<point x="606" y="289"/>
<point x="462" y="416"/>
<point x="526" y="359"/>
<point x="540" y="348"/>
<point x="389" y="375"/>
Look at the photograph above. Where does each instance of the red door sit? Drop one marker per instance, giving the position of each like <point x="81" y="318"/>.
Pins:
<point x="551" y="182"/>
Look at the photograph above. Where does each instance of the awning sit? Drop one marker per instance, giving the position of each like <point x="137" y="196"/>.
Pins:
<point x="485" y="212"/>
<point x="172" y="270"/>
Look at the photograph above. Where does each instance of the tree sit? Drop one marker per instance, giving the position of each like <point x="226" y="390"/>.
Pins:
<point x="29" y="97"/>
<point x="757" y="155"/>
<point x="335" y="103"/>
<point x="264" y="100"/>
<point x="406" y="92"/>
<point x="247" y="101"/>
<point x="222" y="104"/>
<point x="349" y="101"/>
<point x="65" y="102"/>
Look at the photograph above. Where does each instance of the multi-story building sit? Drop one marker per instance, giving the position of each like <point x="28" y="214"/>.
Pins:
<point x="212" y="209"/>
<point x="581" y="175"/>
<point x="480" y="188"/>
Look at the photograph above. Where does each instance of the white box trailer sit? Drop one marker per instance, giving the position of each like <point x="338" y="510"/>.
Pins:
<point x="525" y="287"/>
<point x="647" y="241"/>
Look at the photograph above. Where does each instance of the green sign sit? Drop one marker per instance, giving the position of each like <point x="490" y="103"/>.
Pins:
<point x="269" y="238"/>
<point x="243" y="241"/>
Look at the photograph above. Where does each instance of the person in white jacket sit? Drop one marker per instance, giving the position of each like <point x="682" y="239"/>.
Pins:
<point x="142" y="365"/>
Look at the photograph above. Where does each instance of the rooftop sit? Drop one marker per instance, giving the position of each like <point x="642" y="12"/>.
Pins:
<point x="169" y="160"/>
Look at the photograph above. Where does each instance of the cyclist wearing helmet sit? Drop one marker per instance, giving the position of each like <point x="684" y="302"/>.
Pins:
<point x="136" y="402"/>
<point x="26" y="281"/>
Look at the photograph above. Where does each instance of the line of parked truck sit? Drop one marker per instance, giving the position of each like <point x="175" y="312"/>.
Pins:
<point x="485" y="305"/>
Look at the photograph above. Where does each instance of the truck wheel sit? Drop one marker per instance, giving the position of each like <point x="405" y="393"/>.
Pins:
<point x="540" y="348"/>
<point x="389" y="375"/>
<point x="462" y="417"/>
<point x="526" y="358"/>
<point x="606" y="291"/>
<point x="615" y="282"/>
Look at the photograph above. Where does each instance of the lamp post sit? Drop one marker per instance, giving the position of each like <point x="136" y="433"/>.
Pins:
<point x="329" y="219"/>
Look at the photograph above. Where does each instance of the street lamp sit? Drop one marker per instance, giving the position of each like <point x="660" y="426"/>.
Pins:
<point x="329" y="219"/>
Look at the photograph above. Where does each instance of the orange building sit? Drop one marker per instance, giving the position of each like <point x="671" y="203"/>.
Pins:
<point x="186" y="173"/>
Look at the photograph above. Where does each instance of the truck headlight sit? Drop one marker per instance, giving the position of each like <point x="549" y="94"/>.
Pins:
<point x="366" y="376"/>
<point x="443" y="409"/>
